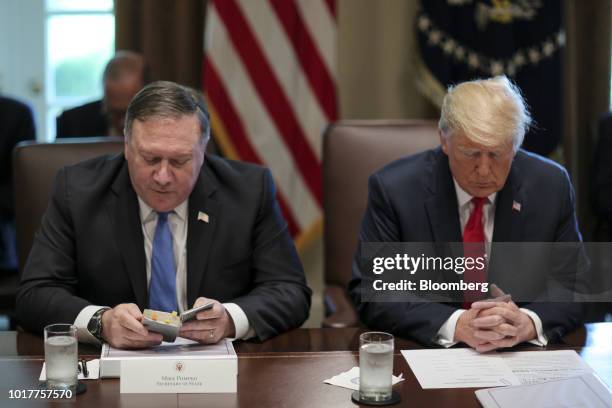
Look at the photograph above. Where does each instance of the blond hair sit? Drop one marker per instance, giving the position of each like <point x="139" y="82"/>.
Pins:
<point x="490" y="112"/>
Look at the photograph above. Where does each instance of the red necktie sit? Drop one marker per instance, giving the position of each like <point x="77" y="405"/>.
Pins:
<point x="474" y="247"/>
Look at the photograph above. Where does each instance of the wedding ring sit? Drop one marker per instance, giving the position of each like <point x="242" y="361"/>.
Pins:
<point x="211" y="333"/>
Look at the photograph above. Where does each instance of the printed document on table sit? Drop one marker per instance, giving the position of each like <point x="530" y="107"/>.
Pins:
<point x="465" y="368"/>
<point x="534" y="367"/>
<point x="459" y="368"/>
<point x="583" y="391"/>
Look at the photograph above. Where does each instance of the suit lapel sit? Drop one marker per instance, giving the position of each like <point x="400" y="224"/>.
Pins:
<point x="508" y="225"/>
<point x="200" y="232"/>
<point x="508" y="214"/>
<point x="128" y="234"/>
<point x="443" y="214"/>
<point x="442" y="204"/>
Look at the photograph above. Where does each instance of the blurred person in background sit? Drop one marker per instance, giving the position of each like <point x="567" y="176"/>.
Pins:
<point x="125" y="74"/>
<point x="16" y="125"/>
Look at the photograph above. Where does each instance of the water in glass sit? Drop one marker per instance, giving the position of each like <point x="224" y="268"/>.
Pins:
<point x="375" y="371"/>
<point x="61" y="362"/>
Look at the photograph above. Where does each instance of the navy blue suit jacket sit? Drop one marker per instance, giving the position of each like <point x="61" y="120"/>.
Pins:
<point x="413" y="200"/>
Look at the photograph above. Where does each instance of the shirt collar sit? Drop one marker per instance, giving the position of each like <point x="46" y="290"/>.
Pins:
<point x="464" y="198"/>
<point x="147" y="213"/>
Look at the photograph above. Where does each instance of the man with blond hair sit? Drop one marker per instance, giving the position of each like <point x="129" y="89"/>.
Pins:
<point x="477" y="188"/>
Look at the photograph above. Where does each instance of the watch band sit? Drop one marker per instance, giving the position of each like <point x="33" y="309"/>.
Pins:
<point x="95" y="324"/>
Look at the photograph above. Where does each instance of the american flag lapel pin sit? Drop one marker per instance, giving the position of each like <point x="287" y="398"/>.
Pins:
<point x="516" y="206"/>
<point x="202" y="216"/>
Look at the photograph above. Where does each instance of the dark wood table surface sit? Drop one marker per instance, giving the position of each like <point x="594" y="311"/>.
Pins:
<point x="287" y="371"/>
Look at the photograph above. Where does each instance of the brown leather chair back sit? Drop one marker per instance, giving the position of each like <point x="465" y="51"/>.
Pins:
<point x="352" y="151"/>
<point x="35" y="166"/>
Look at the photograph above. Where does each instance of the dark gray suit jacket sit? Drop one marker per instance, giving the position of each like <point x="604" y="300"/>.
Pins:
<point x="83" y="121"/>
<point x="89" y="249"/>
<point x="414" y="200"/>
<point x="16" y="125"/>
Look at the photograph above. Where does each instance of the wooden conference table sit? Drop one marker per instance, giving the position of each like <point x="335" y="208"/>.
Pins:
<point x="287" y="371"/>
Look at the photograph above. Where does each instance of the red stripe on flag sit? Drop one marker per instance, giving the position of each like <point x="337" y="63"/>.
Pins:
<point x="233" y="124"/>
<point x="231" y="120"/>
<point x="312" y="63"/>
<point x="331" y="5"/>
<point x="273" y="97"/>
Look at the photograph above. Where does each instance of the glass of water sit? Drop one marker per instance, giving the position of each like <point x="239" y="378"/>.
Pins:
<point x="375" y="366"/>
<point x="61" y="354"/>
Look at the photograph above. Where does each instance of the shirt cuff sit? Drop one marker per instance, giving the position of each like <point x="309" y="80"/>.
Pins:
<point x="81" y="322"/>
<point x="446" y="334"/>
<point x="541" y="339"/>
<point x="241" y="322"/>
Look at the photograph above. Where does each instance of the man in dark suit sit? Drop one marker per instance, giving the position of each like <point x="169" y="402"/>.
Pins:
<point x="477" y="188"/>
<point x="166" y="227"/>
<point x="16" y="125"/>
<point x="601" y="180"/>
<point x="601" y="201"/>
<point x="124" y="75"/>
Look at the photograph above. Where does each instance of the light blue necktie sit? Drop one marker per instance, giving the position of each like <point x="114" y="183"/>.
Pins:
<point x="162" y="290"/>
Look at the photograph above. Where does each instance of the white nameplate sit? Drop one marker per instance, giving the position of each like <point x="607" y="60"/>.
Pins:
<point x="169" y="376"/>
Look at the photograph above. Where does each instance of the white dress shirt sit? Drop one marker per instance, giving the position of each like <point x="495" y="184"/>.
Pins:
<point x="178" y="224"/>
<point x="446" y="335"/>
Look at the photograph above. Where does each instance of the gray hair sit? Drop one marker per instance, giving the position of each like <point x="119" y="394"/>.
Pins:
<point x="130" y="62"/>
<point x="164" y="99"/>
<point x="490" y="112"/>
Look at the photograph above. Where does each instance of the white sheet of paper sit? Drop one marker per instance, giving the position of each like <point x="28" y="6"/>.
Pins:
<point x="583" y="391"/>
<point x="350" y="379"/>
<point x="534" y="367"/>
<point x="458" y="368"/>
<point x="465" y="368"/>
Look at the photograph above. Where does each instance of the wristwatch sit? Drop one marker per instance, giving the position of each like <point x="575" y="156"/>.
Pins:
<point x="95" y="324"/>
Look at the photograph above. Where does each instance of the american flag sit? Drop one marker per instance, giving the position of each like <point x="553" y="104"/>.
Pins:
<point x="269" y="80"/>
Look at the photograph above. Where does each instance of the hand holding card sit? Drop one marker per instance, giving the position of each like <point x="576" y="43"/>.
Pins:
<point x="169" y="324"/>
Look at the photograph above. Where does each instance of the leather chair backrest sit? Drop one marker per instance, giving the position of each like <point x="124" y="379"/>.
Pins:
<point x="352" y="151"/>
<point x="35" y="166"/>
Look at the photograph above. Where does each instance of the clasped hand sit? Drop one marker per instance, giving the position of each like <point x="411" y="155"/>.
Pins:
<point x="495" y="323"/>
